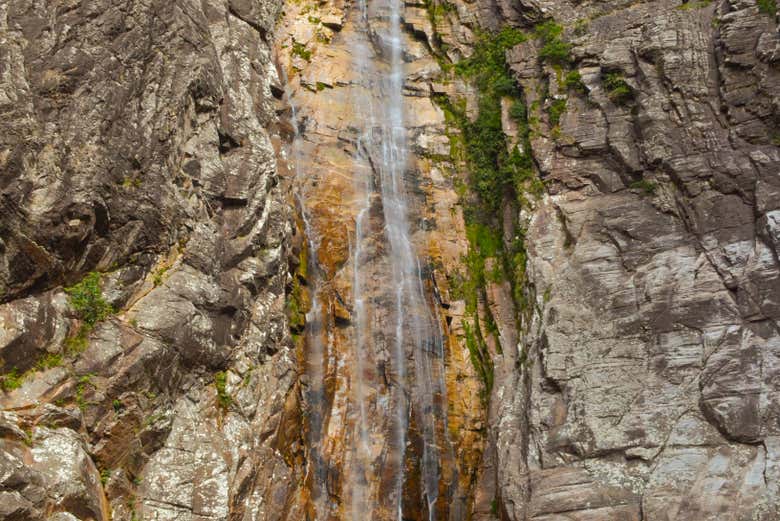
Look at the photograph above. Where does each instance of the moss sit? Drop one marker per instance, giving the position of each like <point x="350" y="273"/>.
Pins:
<point x="554" y="50"/>
<point x="573" y="81"/>
<point x="81" y="389"/>
<point x="48" y="361"/>
<point x="618" y="91"/>
<point x="300" y="50"/>
<point x="768" y="7"/>
<point x="555" y="110"/>
<point x="646" y="186"/>
<point x="479" y="355"/>
<point x="12" y="380"/>
<point x="220" y="383"/>
<point x="87" y="300"/>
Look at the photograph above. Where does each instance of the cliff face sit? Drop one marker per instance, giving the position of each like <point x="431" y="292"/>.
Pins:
<point x="653" y="391"/>
<point x="137" y="144"/>
<point x="591" y="192"/>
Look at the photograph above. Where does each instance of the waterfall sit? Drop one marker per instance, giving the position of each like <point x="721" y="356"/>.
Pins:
<point x="392" y="323"/>
<point x="417" y="333"/>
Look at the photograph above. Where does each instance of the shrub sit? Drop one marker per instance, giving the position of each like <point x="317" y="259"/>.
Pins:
<point x="556" y="110"/>
<point x="768" y="7"/>
<point x="646" y="186"/>
<point x="518" y="111"/>
<point x="12" y="380"/>
<point x="618" y="91"/>
<point x="86" y="298"/>
<point x="573" y="81"/>
<point x="554" y="49"/>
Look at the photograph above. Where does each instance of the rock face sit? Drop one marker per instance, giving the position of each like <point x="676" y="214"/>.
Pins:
<point x="152" y="162"/>
<point x="138" y="142"/>
<point x="651" y="391"/>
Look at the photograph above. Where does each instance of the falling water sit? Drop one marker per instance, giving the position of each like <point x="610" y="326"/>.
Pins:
<point x="416" y="329"/>
<point x="414" y="332"/>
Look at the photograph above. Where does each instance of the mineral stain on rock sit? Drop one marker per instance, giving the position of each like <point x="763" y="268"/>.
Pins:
<point x="389" y="260"/>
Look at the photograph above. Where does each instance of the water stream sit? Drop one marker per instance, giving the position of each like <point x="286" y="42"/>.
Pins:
<point x="391" y="317"/>
<point x="417" y="334"/>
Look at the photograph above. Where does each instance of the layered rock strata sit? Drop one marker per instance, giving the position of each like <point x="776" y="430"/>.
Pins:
<point x="137" y="145"/>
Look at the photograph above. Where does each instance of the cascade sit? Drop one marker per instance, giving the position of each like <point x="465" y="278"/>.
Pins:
<point x="375" y="394"/>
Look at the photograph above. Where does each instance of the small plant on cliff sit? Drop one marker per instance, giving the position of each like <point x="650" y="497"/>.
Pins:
<point x="87" y="300"/>
<point x="159" y="276"/>
<point x="646" y="186"/>
<point x="768" y="7"/>
<point x="220" y="383"/>
<point x="554" y="50"/>
<point x="555" y="111"/>
<point x="81" y="389"/>
<point x="11" y="380"/>
<point x="618" y="91"/>
<point x="300" y="50"/>
<point x="48" y="361"/>
<point x="573" y="81"/>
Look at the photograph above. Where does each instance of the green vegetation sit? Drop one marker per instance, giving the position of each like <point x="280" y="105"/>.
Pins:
<point x="518" y="112"/>
<point x="297" y="303"/>
<point x="158" y="277"/>
<point x="117" y="405"/>
<point x="581" y="26"/>
<point x="11" y="380"/>
<point x="48" y="361"/>
<point x="499" y="175"/>
<point x="554" y="50"/>
<point x="768" y="7"/>
<point x="79" y="342"/>
<point x="492" y="168"/>
<point x="556" y="110"/>
<point x="81" y="388"/>
<point x="480" y="357"/>
<point x="131" y="182"/>
<point x="618" y="91"/>
<point x="300" y="50"/>
<point x="220" y="383"/>
<point x="86" y="298"/>
<point x="646" y="186"/>
<point x="573" y="81"/>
